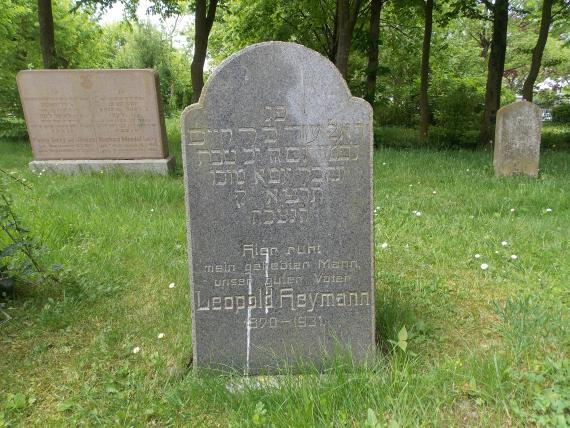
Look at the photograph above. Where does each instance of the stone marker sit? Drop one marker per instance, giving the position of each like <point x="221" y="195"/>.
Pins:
<point x="517" y="139"/>
<point x="278" y="177"/>
<point x="94" y="120"/>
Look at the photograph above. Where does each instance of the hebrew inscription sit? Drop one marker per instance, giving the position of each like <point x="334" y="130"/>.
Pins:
<point x="277" y="159"/>
<point x="289" y="165"/>
<point x="93" y="114"/>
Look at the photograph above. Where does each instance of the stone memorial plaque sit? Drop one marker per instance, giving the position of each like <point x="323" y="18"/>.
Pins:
<point x="278" y="178"/>
<point x="517" y="139"/>
<point x="88" y="115"/>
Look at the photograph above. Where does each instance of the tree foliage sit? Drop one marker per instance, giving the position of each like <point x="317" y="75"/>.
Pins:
<point x="460" y="50"/>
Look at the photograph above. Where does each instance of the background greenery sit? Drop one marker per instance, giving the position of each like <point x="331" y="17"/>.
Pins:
<point x="458" y="63"/>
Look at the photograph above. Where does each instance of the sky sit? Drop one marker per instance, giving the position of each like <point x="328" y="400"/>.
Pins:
<point x="115" y="14"/>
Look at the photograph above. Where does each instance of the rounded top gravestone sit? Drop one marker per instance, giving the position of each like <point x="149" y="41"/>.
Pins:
<point x="278" y="178"/>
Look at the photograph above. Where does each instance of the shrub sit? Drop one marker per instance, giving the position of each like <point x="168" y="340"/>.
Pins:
<point x="12" y="127"/>
<point x="555" y="137"/>
<point x="439" y="138"/>
<point x="561" y="113"/>
<point x="458" y="110"/>
<point x="18" y="248"/>
<point x="391" y="136"/>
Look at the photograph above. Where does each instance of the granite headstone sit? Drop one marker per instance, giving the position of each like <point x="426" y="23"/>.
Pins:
<point x="517" y="139"/>
<point x="278" y="178"/>
<point x="94" y="119"/>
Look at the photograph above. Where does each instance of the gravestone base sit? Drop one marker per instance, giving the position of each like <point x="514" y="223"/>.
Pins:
<point x="130" y="166"/>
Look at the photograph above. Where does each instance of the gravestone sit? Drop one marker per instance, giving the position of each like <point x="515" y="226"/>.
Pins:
<point x="90" y="120"/>
<point x="517" y="139"/>
<point x="278" y="178"/>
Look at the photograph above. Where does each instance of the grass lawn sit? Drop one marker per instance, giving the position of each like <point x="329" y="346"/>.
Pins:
<point x="484" y="348"/>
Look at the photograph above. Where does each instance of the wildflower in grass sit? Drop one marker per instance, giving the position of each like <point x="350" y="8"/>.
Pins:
<point x="434" y="192"/>
<point x="514" y="257"/>
<point x="548" y="210"/>
<point x="171" y="285"/>
<point x="411" y="185"/>
<point x="504" y="243"/>
<point x="512" y="210"/>
<point x="484" y="266"/>
<point x="477" y="256"/>
<point x="160" y="335"/>
<point x="418" y="213"/>
<point x="101" y="172"/>
<point x="136" y="350"/>
<point x="152" y="210"/>
<point x="384" y="245"/>
<point x="383" y="163"/>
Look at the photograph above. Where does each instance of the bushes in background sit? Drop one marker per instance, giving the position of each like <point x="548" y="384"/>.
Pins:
<point x="561" y="114"/>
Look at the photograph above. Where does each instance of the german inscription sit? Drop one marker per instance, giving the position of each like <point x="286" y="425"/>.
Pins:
<point x="277" y="160"/>
<point x="93" y="114"/>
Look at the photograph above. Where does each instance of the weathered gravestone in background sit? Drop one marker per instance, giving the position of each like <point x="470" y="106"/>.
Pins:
<point x="95" y="119"/>
<point x="517" y="139"/>
<point x="277" y="160"/>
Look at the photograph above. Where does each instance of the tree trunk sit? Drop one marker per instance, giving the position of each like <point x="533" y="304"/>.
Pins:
<point x="346" y="20"/>
<point x="373" y="34"/>
<point x="495" y="71"/>
<point x="334" y="39"/>
<point x="424" y="80"/>
<point x="202" y="26"/>
<point x="47" y="39"/>
<point x="538" y="50"/>
<point x="343" y="42"/>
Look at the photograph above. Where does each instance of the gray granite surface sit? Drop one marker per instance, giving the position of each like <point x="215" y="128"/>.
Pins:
<point x="277" y="157"/>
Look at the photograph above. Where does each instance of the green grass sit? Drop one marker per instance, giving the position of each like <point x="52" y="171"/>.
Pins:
<point x="485" y="347"/>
